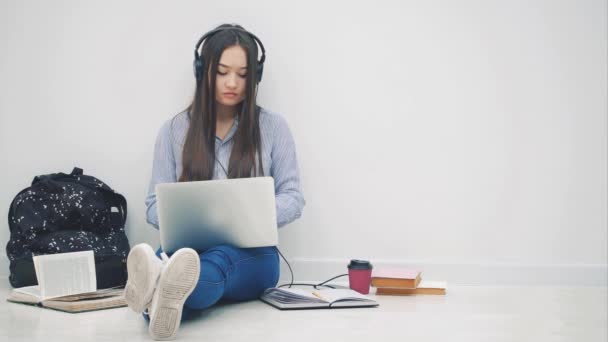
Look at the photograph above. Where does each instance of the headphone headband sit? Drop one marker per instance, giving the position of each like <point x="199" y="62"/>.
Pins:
<point x="199" y="63"/>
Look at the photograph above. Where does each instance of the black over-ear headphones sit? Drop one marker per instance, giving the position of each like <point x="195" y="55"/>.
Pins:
<point x="199" y="61"/>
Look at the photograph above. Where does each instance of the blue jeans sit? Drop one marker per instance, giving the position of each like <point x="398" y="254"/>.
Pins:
<point x="232" y="274"/>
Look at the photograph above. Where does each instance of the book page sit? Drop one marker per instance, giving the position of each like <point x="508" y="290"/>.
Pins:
<point x="103" y="293"/>
<point x="302" y="293"/>
<point x="291" y="296"/>
<point x="65" y="274"/>
<point x="86" y="304"/>
<point x="33" y="291"/>
<point x="20" y="297"/>
<point x="333" y="295"/>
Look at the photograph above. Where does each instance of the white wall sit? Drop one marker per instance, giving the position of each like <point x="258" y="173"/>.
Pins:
<point x="468" y="138"/>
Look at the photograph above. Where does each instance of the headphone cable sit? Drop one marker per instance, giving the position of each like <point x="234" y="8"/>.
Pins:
<point x="291" y="283"/>
<point x="288" y="265"/>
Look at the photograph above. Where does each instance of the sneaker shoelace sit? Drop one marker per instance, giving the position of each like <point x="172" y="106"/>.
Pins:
<point x="164" y="260"/>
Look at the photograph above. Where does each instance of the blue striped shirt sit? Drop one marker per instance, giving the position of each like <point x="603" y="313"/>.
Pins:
<point x="278" y="159"/>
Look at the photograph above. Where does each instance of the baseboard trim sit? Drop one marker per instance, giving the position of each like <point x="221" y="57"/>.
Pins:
<point x="489" y="274"/>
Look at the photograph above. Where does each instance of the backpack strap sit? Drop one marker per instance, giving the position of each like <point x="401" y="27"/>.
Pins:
<point x="119" y="219"/>
<point x="11" y="210"/>
<point x="114" y="199"/>
<point x="76" y="171"/>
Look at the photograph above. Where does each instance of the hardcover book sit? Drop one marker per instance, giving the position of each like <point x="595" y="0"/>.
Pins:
<point x="396" y="277"/>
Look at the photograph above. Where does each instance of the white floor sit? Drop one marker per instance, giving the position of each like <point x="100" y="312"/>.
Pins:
<point x="465" y="314"/>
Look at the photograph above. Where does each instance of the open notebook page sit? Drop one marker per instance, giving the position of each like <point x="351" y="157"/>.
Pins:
<point x="332" y="295"/>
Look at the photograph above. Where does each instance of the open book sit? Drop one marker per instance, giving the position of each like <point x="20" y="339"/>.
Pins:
<point x="293" y="298"/>
<point x="67" y="282"/>
<point x="98" y="300"/>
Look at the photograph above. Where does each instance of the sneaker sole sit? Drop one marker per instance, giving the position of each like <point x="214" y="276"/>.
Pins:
<point x="176" y="283"/>
<point x="140" y="285"/>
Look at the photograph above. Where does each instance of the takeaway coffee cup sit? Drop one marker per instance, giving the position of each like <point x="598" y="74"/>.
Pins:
<point x="360" y="275"/>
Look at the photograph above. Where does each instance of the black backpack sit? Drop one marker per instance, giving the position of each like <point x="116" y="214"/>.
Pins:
<point x="62" y="213"/>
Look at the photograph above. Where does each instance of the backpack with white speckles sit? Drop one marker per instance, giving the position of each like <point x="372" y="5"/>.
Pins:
<point x="62" y="213"/>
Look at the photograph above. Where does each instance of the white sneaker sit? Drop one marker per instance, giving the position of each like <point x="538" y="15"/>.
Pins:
<point x="177" y="281"/>
<point x="144" y="268"/>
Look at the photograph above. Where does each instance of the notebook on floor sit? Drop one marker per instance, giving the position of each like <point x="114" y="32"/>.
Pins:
<point x="297" y="299"/>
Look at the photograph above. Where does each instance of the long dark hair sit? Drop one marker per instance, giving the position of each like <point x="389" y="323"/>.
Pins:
<point x="198" y="154"/>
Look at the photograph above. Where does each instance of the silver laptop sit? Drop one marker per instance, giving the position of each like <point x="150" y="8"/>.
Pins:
<point x="202" y="214"/>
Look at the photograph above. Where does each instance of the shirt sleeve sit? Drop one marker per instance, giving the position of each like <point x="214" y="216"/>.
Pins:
<point x="163" y="170"/>
<point x="286" y="174"/>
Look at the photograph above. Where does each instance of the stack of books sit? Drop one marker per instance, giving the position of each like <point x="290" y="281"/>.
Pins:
<point x="402" y="281"/>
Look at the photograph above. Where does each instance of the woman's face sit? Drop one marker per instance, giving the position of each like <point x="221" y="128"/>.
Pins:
<point x="231" y="76"/>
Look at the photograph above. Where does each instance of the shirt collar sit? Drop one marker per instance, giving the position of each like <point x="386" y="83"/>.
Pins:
<point x="231" y="132"/>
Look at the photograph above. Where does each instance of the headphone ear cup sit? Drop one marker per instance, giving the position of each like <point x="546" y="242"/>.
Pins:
<point x="260" y="71"/>
<point x="199" y="67"/>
